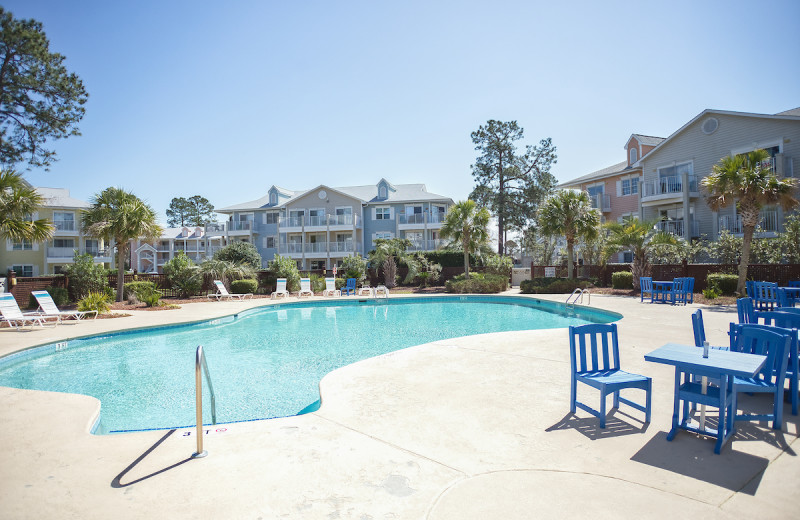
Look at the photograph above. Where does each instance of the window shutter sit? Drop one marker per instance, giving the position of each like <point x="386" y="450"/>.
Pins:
<point x="619" y="188"/>
<point x="374" y="213"/>
<point x="36" y="246"/>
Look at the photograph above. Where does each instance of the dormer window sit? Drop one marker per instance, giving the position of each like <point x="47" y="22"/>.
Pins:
<point x="634" y="152"/>
<point x="273" y="198"/>
<point x="383" y="192"/>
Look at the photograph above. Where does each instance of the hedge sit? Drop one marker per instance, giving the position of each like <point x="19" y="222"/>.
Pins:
<point x="246" y="286"/>
<point x="477" y="283"/>
<point x="724" y="284"/>
<point x="622" y="280"/>
<point x="59" y="294"/>
<point x="552" y="285"/>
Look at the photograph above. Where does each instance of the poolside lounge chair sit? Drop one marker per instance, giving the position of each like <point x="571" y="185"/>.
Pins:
<point x="365" y="289"/>
<point x="381" y="290"/>
<point x="15" y="318"/>
<point x="280" y="289"/>
<point x="305" y="287"/>
<point x="222" y="292"/>
<point x="594" y="360"/>
<point x="350" y="287"/>
<point x="48" y="307"/>
<point x="330" y="288"/>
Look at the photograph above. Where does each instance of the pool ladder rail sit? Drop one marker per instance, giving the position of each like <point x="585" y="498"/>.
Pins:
<point x="577" y="294"/>
<point x="200" y="362"/>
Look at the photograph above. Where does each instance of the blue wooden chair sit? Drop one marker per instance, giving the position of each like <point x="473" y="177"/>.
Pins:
<point x="766" y="295"/>
<point x="350" y="287"/>
<point x="698" y="328"/>
<point x="774" y="344"/>
<point x="746" y="311"/>
<point x="675" y="295"/>
<point x="750" y="289"/>
<point x="688" y="290"/>
<point x="789" y="322"/>
<point x="594" y="360"/>
<point x="645" y="286"/>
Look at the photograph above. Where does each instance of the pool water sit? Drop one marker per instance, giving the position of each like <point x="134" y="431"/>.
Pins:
<point x="264" y="363"/>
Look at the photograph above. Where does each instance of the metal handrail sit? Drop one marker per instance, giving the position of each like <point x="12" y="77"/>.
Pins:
<point x="200" y="361"/>
<point x="579" y="293"/>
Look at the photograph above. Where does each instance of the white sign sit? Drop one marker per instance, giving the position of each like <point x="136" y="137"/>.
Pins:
<point x="549" y="272"/>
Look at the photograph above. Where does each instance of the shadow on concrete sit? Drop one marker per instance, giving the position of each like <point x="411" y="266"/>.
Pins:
<point x="117" y="482"/>
<point x="590" y="426"/>
<point x="693" y="455"/>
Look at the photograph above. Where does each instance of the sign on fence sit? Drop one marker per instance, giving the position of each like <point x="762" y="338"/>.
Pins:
<point x="549" y="272"/>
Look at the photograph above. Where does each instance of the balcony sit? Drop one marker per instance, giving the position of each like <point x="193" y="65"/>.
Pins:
<point x="601" y="201"/>
<point x="668" y="188"/>
<point x="65" y="255"/>
<point x="676" y="227"/>
<point x="426" y="245"/>
<point x="215" y="228"/>
<point x="420" y="220"/>
<point x="319" y="222"/>
<point x="768" y="223"/>
<point x="240" y="225"/>
<point x="319" y="249"/>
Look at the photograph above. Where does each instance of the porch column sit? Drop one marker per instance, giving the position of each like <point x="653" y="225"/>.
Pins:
<point x="687" y="218"/>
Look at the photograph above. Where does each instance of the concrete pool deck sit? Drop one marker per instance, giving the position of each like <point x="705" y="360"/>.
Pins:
<point x="476" y="427"/>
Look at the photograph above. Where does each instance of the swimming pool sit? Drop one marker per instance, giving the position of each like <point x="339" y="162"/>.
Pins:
<point x="265" y="362"/>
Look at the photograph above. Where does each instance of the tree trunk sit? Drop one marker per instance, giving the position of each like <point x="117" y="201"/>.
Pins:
<point x="120" y="269"/>
<point x="747" y="239"/>
<point x="466" y="261"/>
<point x="570" y="247"/>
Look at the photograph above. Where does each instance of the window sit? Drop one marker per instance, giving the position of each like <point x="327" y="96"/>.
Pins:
<point x="270" y="242"/>
<point x="273" y="198"/>
<point x="383" y="213"/>
<point x="318" y="265"/>
<point x="383" y="235"/>
<point x="630" y="186"/>
<point x="92" y="246"/>
<point x="382" y="192"/>
<point x="64" y="221"/>
<point x="25" y="245"/>
<point x="23" y="270"/>
<point x="634" y="155"/>
<point x="271" y="218"/>
<point x="627" y="257"/>
<point x="63" y="242"/>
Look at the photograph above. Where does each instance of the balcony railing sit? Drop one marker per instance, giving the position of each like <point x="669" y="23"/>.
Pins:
<point x="601" y="201"/>
<point x="671" y="185"/>
<point x="676" y="227"/>
<point x="69" y="252"/>
<point x="768" y="223"/>
<point x="318" y="221"/>
<point x="216" y="227"/>
<point x="415" y="218"/>
<point x="64" y="225"/>
<point x="427" y="245"/>
<point x="241" y="225"/>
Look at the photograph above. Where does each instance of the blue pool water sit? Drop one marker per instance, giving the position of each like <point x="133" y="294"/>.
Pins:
<point x="265" y="362"/>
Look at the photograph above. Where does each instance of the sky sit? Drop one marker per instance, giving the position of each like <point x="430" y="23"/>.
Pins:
<point x="225" y="99"/>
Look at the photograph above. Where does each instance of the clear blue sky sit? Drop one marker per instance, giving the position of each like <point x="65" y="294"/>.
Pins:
<point x="224" y="99"/>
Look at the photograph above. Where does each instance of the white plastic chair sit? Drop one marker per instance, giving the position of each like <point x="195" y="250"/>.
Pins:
<point x="48" y="306"/>
<point x="330" y="288"/>
<point x="222" y="292"/>
<point x="13" y="315"/>
<point x="280" y="290"/>
<point x="305" y="287"/>
<point x="381" y="291"/>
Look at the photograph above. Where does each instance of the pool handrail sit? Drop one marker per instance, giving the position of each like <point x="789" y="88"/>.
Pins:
<point x="200" y="361"/>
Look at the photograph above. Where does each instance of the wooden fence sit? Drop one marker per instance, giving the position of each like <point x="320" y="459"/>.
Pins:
<point x="780" y="273"/>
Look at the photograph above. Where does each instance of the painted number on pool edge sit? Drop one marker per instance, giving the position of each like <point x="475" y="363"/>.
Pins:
<point x="205" y="432"/>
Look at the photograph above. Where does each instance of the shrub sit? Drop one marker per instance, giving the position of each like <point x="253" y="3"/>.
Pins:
<point x="622" y="280"/>
<point x="496" y="264"/>
<point x="477" y="283"/>
<point x="317" y="282"/>
<point x="240" y="253"/>
<point x="285" y="267"/>
<point x="145" y="292"/>
<point x="353" y="267"/>
<point x="248" y="285"/>
<point x="724" y="284"/>
<point x="184" y="275"/>
<point x="710" y="294"/>
<point x="59" y="294"/>
<point x="85" y="276"/>
<point x="421" y="270"/>
<point x="552" y="285"/>
<point x="448" y="258"/>
<point x="95" y="301"/>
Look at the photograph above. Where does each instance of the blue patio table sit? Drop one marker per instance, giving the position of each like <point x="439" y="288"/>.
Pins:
<point x="720" y="364"/>
<point x="661" y="289"/>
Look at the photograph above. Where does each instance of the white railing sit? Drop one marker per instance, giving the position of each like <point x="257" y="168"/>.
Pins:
<point x="415" y="218"/>
<point x="241" y="225"/>
<point x="426" y="245"/>
<point x="676" y="227"/>
<point x="216" y="227"/>
<point x="69" y="252"/>
<point x="315" y="247"/>
<point x="668" y="186"/>
<point x="601" y="201"/>
<point x="768" y="222"/>
<point x="294" y="248"/>
<point x="64" y="225"/>
<point x="342" y="220"/>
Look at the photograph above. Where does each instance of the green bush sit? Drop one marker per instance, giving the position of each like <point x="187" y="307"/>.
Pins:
<point x="710" y="294"/>
<point x="552" y="285"/>
<point x="317" y="282"/>
<point x="145" y="292"/>
<point x="248" y="285"/>
<point x="477" y="283"/>
<point x="496" y="264"/>
<point x="285" y="267"/>
<point x="340" y="283"/>
<point x="353" y="267"/>
<point x="184" y="275"/>
<point x="59" y="294"/>
<point x="448" y="258"/>
<point x="240" y="253"/>
<point x="85" y="276"/>
<point x="95" y="301"/>
<point x="722" y="283"/>
<point x="622" y="280"/>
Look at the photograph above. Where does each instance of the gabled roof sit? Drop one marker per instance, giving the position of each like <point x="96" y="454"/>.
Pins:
<point x="59" y="198"/>
<point x="647" y="140"/>
<point x="792" y="112"/>
<point x="608" y="171"/>
<point x="789" y="115"/>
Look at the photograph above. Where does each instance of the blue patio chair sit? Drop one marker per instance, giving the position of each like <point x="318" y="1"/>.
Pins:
<point x="787" y="298"/>
<point x="793" y="283"/>
<point x="675" y="295"/>
<point x="688" y="290"/>
<point x="789" y="323"/>
<point x="698" y="328"/>
<point x="350" y="287"/>
<point x="766" y="296"/>
<point x="749" y="286"/>
<point x="746" y="311"/>
<point x="774" y="344"/>
<point x="645" y="286"/>
<point x="594" y="360"/>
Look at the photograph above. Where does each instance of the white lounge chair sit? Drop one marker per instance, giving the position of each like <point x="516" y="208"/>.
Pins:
<point x="280" y="290"/>
<point x="49" y="307"/>
<point x="381" y="290"/>
<point x="222" y="292"/>
<point x="305" y="287"/>
<point x="14" y="316"/>
<point x="330" y="288"/>
<point x="365" y="289"/>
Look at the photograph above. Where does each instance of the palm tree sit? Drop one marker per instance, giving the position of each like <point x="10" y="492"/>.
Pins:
<point x="18" y="201"/>
<point x="569" y="213"/>
<point x="640" y="238"/>
<point x="227" y="271"/>
<point x="385" y="256"/>
<point x="467" y="225"/>
<point x="121" y="216"/>
<point x="746" y="180"/>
